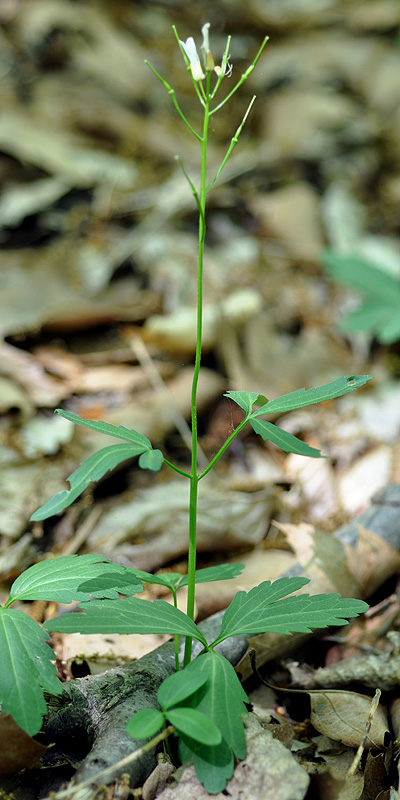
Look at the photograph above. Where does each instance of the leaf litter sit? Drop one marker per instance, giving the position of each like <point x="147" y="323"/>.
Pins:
<point x="91" y="207"/>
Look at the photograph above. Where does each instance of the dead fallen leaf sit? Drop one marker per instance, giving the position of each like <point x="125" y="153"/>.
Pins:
<point x="17" y="749"/>
<point x="343" y="716"/>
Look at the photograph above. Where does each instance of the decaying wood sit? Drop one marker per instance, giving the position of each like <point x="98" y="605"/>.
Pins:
<point x="88" y="720"/>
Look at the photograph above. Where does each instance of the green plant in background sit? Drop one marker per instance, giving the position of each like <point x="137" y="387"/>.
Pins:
<point x="379" y="313"/>
<point x="204" y="701"/>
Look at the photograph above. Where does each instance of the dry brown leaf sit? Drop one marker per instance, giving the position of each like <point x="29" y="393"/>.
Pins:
<point x="343" y="716"/>
<point x="17" y="749"/>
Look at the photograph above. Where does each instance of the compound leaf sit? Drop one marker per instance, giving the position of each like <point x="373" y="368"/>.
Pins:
<point x="308" y="397"/>
<point x="69" y="578"/>
<point x="222" y="698"/>
<point x="243" y="399"/>
<point x="92" y="469"/>
<point x="145" y="723"/>
<point x="25" y="669"/>
<point x="258" y="611"/>
<point x="118" y="431"/>
<point x="130" y="615"/>
<point x="286" y="441"/>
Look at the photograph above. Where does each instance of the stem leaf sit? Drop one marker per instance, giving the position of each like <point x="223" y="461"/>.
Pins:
<point x="221" y="572"/>
<point x="243" y="399"/>
<point x="69" y="578"/>
<point x="286" y="441"/>
<point x="91" y="469"/>
<point x="308" y="397"/>
<point x="118" y="431"/>
<point x="131" y="615"/>
<point x="263" y="610"/>
<point x="151" y="459"/>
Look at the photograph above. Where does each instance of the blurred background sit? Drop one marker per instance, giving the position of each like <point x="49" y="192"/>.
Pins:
<point x="98" y="237"/>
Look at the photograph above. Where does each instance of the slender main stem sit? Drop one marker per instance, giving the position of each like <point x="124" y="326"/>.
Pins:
<point x="194" y="479"/>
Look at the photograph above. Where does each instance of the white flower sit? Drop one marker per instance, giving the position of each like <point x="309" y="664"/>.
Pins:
<point x="207" y="54"/>
<point x="192" y="55"/>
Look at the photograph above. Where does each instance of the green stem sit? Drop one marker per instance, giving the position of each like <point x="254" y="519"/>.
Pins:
<point x="194" y="480"/>
<point x="242" y="79"/>
<point x="176" y="469"/>
<point x="224" y="447"/>
<point x="171" y="92"/>
<point x="233" y="144"/>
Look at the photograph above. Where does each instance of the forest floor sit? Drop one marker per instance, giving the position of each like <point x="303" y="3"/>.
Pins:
<point x="98" y="245"/>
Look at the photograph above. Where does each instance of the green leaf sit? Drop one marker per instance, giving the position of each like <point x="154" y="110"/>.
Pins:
<point x="179" y="687"/>
<point x="61" y="579"/>
<point x="25" y="669"/>
<point x="222" y="699"/>
<point x="168" y="579"/>
<point x="262" y="610"/>
<point x="362" y="275"/>
<point x="243" y="399"/>
<point x="151" y="459"/>
<point x="214" y="765"/>
<point x="92" y="469"/>
<point x="110" y="585"/>
<point x="381" y="320"/>
<point x="286" y="441"/>
<point x="118" y="431"/>
<point x="129" y="615"/>
<point x="145" y="723"/>
<point x="261" y="400"/>
<point x="308" y="397"/>
<point x="380" y="313"/>
<point x="222" y="572"/>
<point x="193" y="723"/>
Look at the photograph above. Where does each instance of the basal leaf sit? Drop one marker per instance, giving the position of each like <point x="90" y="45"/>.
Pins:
<point x="145" y="723"/>
<point x="214" y="765"/>
<point x="178" y="687"/>
<point x="118" y="431"/>
<point x="129" y="615"/>
<point x="262" y="610"/>
<point x="243" y="399"/>
<point x="61" y="580"/>
<point x="286" y="441"/>
<point x="25" y="669"/>
<point x="193" y="723"/>
<point x="92" y="469"/>
<point x="308" y="397"/>
<point x="151" y="459"/>
<point x="222" y="698"/>
<point x="222" y="572"/>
